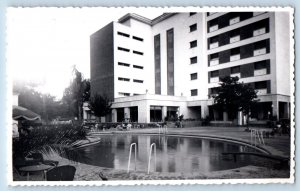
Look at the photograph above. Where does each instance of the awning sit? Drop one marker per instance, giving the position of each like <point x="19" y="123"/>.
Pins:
<point x="21" y="113"/>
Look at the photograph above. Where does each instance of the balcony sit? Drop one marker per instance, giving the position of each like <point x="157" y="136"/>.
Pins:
<point x="260" y="72"/>
<point x="236" y="75"/>
<point x="234" y="20"/>
<point x="259" y="31"/>
<point x="235" y="57"/>
<point x="214" y="79"/>
<point x="259" y="51"/>
<point x="214" y="62"/>
<point x="261" y="91"/>
<point x="235" y="39"/>
<point x="214" y="45"/>
<point x="213" y="28"/>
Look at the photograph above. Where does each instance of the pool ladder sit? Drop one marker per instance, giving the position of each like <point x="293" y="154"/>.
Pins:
<point x="133" y="145"/>
<point x="152" y="147"/>
<point x="163" y="129"/>
<point x="257" y="134"/>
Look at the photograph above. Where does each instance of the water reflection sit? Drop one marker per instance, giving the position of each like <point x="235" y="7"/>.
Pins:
<point x="174" y="154"/>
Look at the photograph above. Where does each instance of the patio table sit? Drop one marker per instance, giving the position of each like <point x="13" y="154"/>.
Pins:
<point x="36" y="168"/>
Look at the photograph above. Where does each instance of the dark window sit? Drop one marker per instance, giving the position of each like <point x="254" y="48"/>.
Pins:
<point x="123" y="34"/>
<point x="194" y="76"/>
<point x="194" y="60"/>
<point x="137" y="38"/>
<point x="157" y="64"/>
<point x="123" y="49"/>
<point x="155" y="113"/>
<point x="138" y="81"/>
<point x="138" y="67"/>
<point x="137" y="52"/>
<point x="260" y="65"/>
<point x="193" y="27"/>
<point x="194" y="92"/>
<point x="170" y="62"/>
<point x="124" y="79"/>
<point x="235" y="51"/>
<point x="260" y="85"/>
<point x="214" y="73"/>
<point x="193" y="44"/>
<point x="235" y="70"/>
<point x="123" y="64"/>
<point x="192" y="13"/>
<point x="124" y="94"/>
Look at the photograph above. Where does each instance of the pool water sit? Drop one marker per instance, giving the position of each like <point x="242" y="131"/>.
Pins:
<point x="174" y="154"/>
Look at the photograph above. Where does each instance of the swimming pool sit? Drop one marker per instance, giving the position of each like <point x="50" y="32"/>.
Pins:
<point x="174" y="153"/>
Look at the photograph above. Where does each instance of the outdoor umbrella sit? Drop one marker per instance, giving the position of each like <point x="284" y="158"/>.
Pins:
<point x="21" y="113"/>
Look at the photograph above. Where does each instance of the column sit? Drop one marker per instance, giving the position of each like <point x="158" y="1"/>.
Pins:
<point x="275" y="109"/>
<point x="126" y="113"/>
<point x="204" y="111"/>
<point x="143" y="113"/>
<point x="225" y="116"/>
<point x="114" y="115"/>
<point x="164" y="112"/>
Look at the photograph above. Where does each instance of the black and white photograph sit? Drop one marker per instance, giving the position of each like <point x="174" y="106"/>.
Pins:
<point x="123" y="96"/>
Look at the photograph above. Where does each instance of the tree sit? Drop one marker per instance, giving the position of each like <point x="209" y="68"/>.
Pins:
<point x="100" y="105"/>
<point x="77" y="93"/>
<point x="235" y="96"/>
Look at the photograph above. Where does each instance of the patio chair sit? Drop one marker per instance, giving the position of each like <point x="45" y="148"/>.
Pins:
<point x="61" y="173"/>
<point x="39" y="158"/>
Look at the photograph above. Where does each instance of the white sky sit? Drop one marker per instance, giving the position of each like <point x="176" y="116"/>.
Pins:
<point x="44" y="43"/>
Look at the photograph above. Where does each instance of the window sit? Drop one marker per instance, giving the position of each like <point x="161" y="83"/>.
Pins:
<point x="138" y="81"/>
<point x="193" y="27"/>
<point x="124" y="79"/>
<point x="192" y="13"/>
<point x="123" y="49"/>
<point x="123" y="64"/>
<point x="193" y="60"/>
<point x="124" y="94"/>
<point x="235" y="54"/>
<point x="235" y="70"/>
<point x="214" y="73"/>
<point x="194" y="92"/>
<point x="193" y="44"/>
<point x="137" y="52"/>
<point x="137" y="38"/>
<point x="194" y="76"/>
<point x="260" y="85"/>
<point x="123" y="34"/>
<point x="138" y="67"/>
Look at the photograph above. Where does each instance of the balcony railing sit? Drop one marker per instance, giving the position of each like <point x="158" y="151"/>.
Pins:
<point x="234" y="20"/>
<point x="259" y="31"/>
<point x="260" y="51"/>
<point x="235" y="39"/>
<point x="213" y="28"/>
<point x="236" y="75"/>
<point x="262" y="91"/>
<point x="214" y="79"/>
<point x="260" y="72"/>
<point x="235" y="57"/>
<point x="214" y="45"/>
<point x="214" y="62"/>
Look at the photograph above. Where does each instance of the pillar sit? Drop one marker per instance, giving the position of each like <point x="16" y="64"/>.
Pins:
<point x="275" y="109"/>
<point x="204" y="111"/>
<point x="225" y="116"/>
<point x="126" y="113"/>
<point x="114" y="115"/>
<point x="144" y="113"/>
<point x="164" y="112"/>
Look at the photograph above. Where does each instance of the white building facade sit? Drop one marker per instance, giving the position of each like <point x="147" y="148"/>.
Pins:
<point x="170" y="66"/>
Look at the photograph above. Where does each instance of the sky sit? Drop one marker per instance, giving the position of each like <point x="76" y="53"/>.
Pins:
<point x="44" y="43"/>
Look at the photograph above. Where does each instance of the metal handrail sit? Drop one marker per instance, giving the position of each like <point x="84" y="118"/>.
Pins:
<point x="257" y="134"/>
<point x="153" y="145"/>
<point x="162" y="128"/>
<point x="131" y="146"/>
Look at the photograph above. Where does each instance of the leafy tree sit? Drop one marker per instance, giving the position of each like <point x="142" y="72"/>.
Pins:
<point x="235" y="96"/>
<point x="100" y="105"/>
<point x="77" y="93"/>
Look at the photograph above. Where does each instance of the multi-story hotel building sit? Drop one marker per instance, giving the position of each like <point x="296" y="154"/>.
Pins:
<point x="171" y="65"/>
